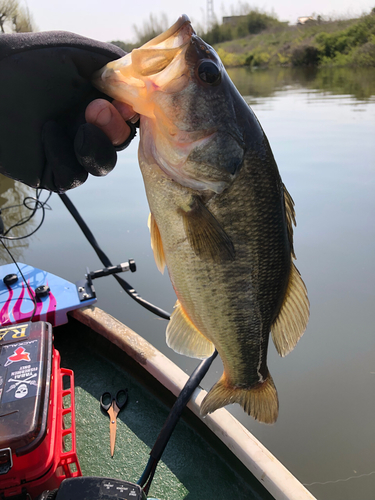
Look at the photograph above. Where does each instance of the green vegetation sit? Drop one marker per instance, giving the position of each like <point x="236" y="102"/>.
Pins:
<point x="316" y="43"/>
<point x="126" y="46"/>
<point x="258" y="39"/>
<point x="235" y="27"/>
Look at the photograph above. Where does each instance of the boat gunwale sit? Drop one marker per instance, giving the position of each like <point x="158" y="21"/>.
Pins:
<point x="265" y="467"/>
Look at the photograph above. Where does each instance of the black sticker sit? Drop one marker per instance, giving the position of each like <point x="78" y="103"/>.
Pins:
<point x="11" y="334"/>
<point x="21" y="372"/>
<point x="21" y="383"/>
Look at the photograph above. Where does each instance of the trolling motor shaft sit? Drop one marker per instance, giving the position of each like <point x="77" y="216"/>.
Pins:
<point x="106" y="271"/>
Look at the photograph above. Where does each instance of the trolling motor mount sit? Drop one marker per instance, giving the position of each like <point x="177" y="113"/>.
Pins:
<point x="86" y="288"/>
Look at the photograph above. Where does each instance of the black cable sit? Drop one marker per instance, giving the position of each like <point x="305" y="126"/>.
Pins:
<point x="107" y="263"/>
<point x="193" y="381"/>
<point x="146" y="488"/>
<point x="172" y="419"/>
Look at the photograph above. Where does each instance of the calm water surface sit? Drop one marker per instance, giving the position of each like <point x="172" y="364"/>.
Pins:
<point x="321" y="126"/>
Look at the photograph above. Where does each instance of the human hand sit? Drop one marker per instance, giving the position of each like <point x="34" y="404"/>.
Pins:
<point x="45" y="88"/>
<point x="112" y="119"/>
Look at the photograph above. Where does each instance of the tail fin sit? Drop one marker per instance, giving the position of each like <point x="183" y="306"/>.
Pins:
<point x="259" y="401"/>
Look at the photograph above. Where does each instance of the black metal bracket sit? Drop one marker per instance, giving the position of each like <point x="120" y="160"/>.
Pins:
<point x="85" y="288"/>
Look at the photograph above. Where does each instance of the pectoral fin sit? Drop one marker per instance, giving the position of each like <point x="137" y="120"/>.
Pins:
<point x="292" y="319"/>
<point x="184" y="338"/>
<point x="156" y="243"/>
<point x="205" y="235"/>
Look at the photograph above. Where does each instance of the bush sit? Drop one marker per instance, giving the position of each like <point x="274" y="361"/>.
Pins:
<point x="305" y="55"/>
<point x="365" y="55"/>
<point x="125" y="46"/>
<point x="251" y="23"/>
<point x="229" y="59"/>
<point x="257" y="22"/>
<point x="218" y="34"/>
<point x="333" y="44"/>
<point x="258" y="59"/>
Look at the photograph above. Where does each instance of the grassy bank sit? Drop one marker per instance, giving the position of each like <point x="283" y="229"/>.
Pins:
<point x="258" y="39"/>
<point x="317" y="43"/>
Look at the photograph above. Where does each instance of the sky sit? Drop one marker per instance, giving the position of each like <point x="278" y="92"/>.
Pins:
<point x="114" y="19"/>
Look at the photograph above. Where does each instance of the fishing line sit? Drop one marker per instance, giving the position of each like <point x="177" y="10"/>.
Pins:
<point x="340" y="480"/>
<point x="195" y="378"/>
<point x="38" y="205"/>
<point x="31" y="292"/>
<point x="107" y="263"/>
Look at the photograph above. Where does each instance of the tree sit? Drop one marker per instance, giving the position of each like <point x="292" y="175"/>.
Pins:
<point x="22" y="21"/>
<point x="8" y="9"/>
<point x="14" y="18"/>
<point x="151" y="28"/>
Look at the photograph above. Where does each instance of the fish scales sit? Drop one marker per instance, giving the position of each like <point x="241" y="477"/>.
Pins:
<point x="250" y="287"/>
<point x="221" y="218"/>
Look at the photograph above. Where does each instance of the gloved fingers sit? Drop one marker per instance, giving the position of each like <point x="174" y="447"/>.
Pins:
<point x="94" y="150"/>
<point x="105" y="116"/>
<point x="62" y="170"/>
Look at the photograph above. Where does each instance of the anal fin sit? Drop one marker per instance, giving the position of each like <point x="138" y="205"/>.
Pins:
<point x="292" y="319"/>
<point x="156" y="243"/>
<point x="184" y="338"/>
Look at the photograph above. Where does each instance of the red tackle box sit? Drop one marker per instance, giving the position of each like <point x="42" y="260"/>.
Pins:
<point x="37" y="424"/>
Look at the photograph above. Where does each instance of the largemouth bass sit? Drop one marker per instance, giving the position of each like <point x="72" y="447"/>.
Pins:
<point x="221" y="219"/>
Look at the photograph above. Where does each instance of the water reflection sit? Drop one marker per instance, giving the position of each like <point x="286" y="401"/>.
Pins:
<point x="12" y="195"/>
<point x="359" y="84"/>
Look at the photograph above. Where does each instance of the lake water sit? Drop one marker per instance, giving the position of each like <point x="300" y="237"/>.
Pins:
<point x="321" y="126"/>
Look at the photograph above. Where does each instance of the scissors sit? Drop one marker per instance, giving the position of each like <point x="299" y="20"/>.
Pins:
<point x="113" y="406"/>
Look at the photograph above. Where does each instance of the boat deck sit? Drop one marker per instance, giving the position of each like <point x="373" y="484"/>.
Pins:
<point x="195" y="464"/>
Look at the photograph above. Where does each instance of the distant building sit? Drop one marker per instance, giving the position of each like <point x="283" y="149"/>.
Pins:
<point x="305" y="20"/>
<point x="233" y="19"/>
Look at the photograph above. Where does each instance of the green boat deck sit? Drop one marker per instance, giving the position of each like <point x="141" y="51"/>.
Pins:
<point x="195" y="464"/>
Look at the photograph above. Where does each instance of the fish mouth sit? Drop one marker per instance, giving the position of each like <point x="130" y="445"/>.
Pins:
<point x="156" y="65"/>
<point x="173" y="36"/>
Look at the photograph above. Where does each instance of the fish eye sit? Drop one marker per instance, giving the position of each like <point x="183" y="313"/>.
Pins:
<point x="209" y="73"/>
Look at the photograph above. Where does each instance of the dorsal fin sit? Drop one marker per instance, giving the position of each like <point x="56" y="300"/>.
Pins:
<point x="292" y="319"/>
<point x="290" y="217"/>
<point x="184" y="338"/>
<point x="156" y="243"/>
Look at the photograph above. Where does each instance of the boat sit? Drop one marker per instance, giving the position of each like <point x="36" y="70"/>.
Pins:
<point x="88" y="352"/>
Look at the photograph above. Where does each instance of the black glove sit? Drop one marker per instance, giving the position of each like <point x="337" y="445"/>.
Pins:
<point x="44" y="90"/>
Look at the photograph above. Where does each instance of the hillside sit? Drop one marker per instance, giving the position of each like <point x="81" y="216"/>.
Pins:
<point x="318" y="43"/>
